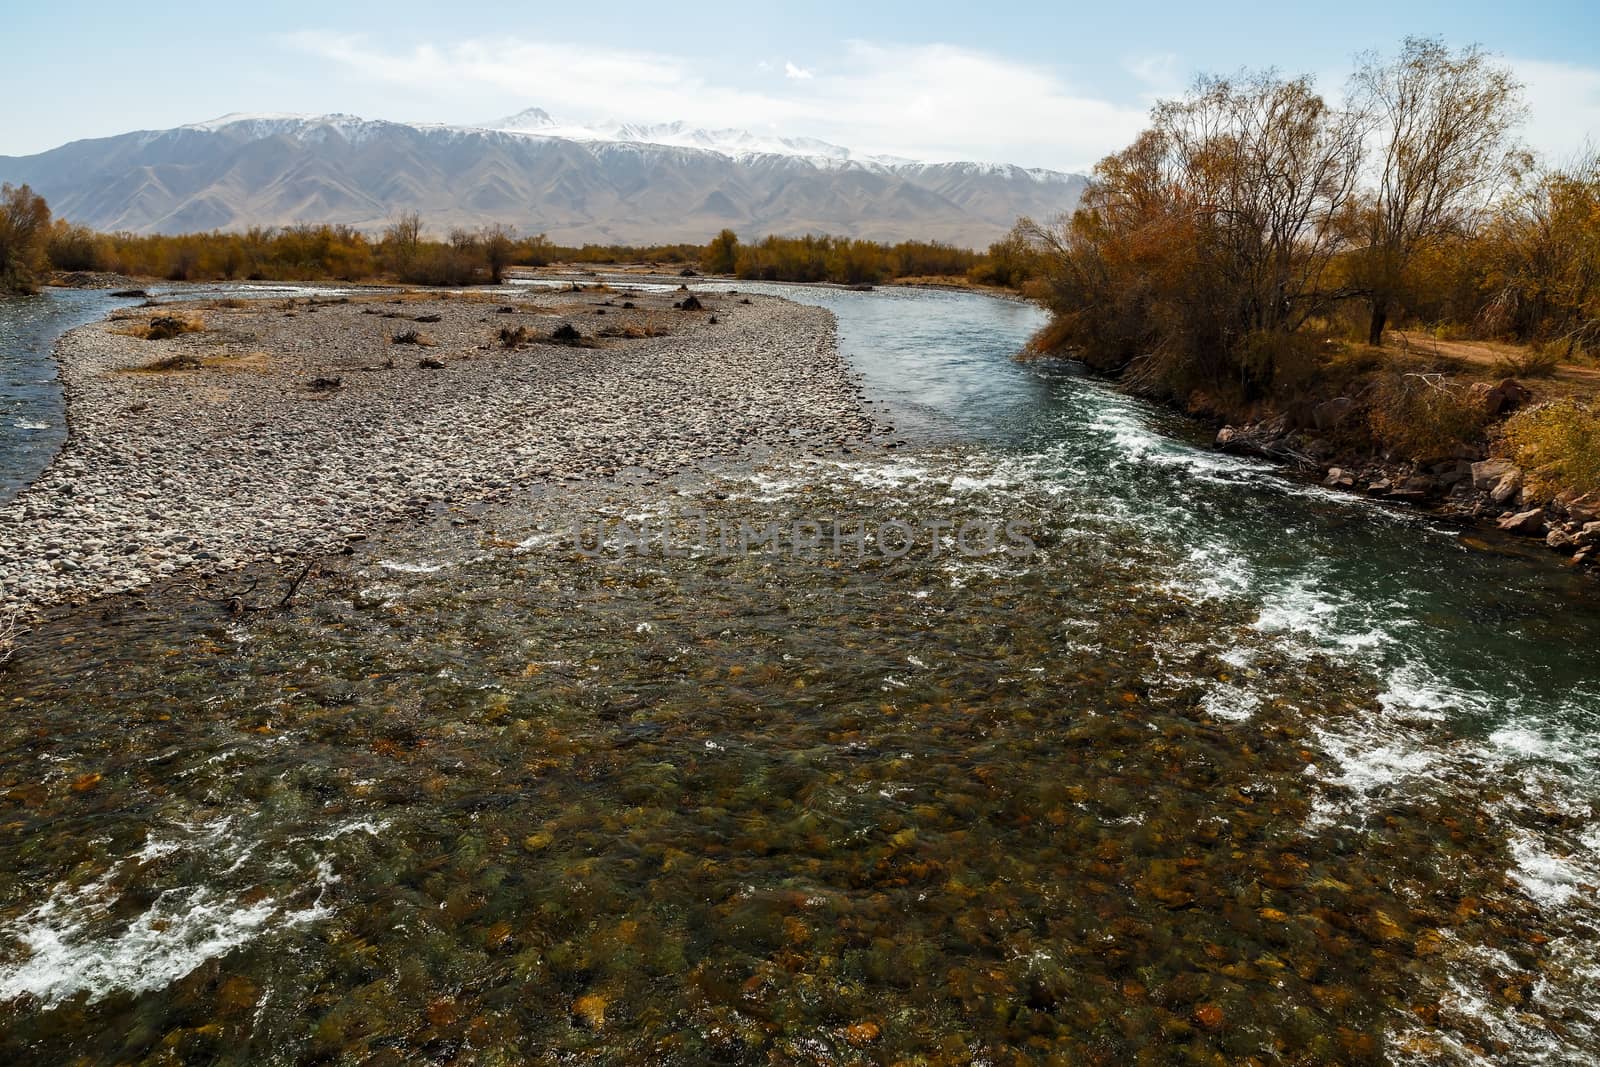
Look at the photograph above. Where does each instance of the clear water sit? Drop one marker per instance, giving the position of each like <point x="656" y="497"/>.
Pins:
<point x="32" y="427"/>
<point x="32" y="406"/>
<point x="1231" y="768"/>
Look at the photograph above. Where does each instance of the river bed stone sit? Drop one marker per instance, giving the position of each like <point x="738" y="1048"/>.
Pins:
<point x="236" y="455"/>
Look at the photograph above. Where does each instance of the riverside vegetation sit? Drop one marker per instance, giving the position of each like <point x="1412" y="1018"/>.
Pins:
<point x="404" y="253"/>
<point x="1365" y="288"/>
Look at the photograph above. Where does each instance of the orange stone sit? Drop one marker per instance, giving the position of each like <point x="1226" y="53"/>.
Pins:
<point x="590" y="1010"/>
<point x="864" y="1033"/>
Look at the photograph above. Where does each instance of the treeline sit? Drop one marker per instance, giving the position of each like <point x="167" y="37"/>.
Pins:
<point x="404" y="252"/>
<point x="1248" y="253"/>
<point x="1254" y="219"/>
<point x="847" y="261"/>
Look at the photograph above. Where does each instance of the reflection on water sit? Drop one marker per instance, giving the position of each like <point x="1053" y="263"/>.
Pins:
<point x="1232" y="769"/>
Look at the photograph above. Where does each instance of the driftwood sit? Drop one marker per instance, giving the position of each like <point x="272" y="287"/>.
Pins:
<point x="238" y="603"/>
<point x="11" y="632"/>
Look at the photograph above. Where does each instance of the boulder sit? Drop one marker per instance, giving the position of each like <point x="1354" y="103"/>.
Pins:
<point x="1486" y="474"/>
<point x="1380" y="487"/>
<point x="1418" y="483"/>
<point x="1339" y="478"/>
<point x="1508" y="487"/>
<point x="1507" y="397"/>
<point x="1588" y="534"/>
<point x="1524" y="522"/>
<point x="1583" y="508"/>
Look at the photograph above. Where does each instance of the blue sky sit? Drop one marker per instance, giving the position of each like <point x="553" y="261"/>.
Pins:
<point x="1043" y="84"/>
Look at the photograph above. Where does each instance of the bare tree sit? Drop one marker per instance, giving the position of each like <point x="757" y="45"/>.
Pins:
<point x="1269" y="166"/>
<point x="402" y="240"/>
<point x="499" y="243"/>
<point x="1445" y="123"/>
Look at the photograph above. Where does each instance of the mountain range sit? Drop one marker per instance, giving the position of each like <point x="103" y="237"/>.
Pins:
<point x="613" y="182"/>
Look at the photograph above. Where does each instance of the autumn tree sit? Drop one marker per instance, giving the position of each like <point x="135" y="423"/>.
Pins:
<point x="1444" y="127"/>
<point x="1206" y="244"/>
<point x="24" y="236"/>
<point x="721" y="256"/>
<point x="1542" y="258"/>
<point x="1010" y="261"/>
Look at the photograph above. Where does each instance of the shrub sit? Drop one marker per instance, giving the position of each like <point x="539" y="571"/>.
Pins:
<point x="1557" y="445"/>
<point x="75" y="248"/>
<point x="1535" y="363"/>
<point x="1424" y="416"/>
<point x="513" y="338"/>
<point x="164" y="327"/>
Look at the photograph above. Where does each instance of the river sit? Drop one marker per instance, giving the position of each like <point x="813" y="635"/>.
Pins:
<point x="1227" y="766"/>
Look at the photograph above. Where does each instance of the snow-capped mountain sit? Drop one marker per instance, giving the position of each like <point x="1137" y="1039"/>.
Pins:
<point x="730" y="142"/>
<point x="603" y="182"/>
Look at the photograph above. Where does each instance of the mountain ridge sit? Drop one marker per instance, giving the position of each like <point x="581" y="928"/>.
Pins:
<point x="610" y="183"/>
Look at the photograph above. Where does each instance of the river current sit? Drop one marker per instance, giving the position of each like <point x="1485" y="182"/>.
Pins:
<point x="1226" y="767"/>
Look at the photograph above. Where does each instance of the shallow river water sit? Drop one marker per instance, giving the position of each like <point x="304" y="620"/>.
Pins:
<point x="1226" y="769"/>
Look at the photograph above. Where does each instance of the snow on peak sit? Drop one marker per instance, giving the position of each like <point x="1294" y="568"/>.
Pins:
<point x="730" y="142"/>
<point x="536" y="122"/>
<point x="533" y="118"/>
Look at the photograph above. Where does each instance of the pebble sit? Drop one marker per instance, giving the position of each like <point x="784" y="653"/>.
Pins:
<point x="209" y="470"/>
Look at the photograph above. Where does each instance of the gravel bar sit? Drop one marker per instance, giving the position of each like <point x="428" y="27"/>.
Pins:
<point x="287" y="427"/>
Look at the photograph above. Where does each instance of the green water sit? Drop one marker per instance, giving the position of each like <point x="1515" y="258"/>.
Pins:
<point x="1229" y="769"/>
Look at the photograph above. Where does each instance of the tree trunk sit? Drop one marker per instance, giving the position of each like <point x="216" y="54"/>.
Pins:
<point x="1380" y="318"/>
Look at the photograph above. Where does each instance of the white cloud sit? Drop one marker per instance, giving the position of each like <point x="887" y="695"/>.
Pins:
<point x="1158" y="75"/>
<point x="1563" y="108"/>
<point x="937" y="102"/>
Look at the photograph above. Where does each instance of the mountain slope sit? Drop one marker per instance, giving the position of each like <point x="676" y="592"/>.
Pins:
<point x="615" y="183"/>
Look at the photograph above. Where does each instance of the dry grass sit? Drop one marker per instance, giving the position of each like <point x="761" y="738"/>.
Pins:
<point x="259" y="362"/>
<point x="1530" y="364"/>
<point x="413" y="337"/>
<point x="958" y="281"/>
<point x="635" y="333"/>
<point x="163" y="326"/>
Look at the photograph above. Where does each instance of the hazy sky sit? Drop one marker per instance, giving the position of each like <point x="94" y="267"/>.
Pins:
<point x="1037" y="84"/>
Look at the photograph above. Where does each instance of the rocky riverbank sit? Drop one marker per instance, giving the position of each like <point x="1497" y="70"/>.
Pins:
<point x="1472" y="486"/>
<point x="208" y="435"/>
